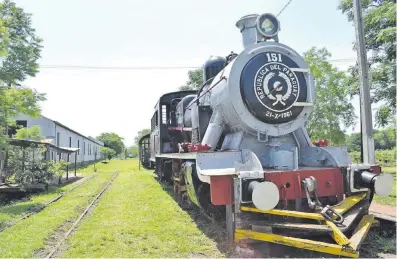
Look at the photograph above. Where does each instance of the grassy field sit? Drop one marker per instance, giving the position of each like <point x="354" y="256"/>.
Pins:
<point x="135" y="217"/>
<point x="138" y="219"/>
<point x="390" y="200"/>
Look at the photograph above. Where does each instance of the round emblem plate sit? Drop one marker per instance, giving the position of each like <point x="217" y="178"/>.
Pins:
<point x="270" y="88"/>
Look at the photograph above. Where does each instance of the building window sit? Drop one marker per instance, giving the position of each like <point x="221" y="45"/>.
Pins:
<point x="12" y="130"/>
<point x="52" y="155"/>
<point x="84" y="148"/>
<point x="78" y="146"/>
<point x="70" y="141"/>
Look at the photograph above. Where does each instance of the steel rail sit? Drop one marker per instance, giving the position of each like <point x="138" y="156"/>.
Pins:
<point x="80" y="217"/>
<point x="35" y="211"/>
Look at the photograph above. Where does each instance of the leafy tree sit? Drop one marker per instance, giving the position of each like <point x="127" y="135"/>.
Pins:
<point x="26" y="164"/>
<point x="383" y="139"/>
<point x="353" y="142"/>
<point x="14" y="100"/>
<point x="23" y="46"/>
<point x="140" y="134"/>
<point x="108" y="153"/>
<point x="133" y="151"/>
<point x="19" y="51"/>
<point x="332" y="107"/>
<point x="3" y="37"/>
<point x="32" y="133"/>
<point x="113" y="141"/>
<point x="379" y="17"/>
<point x="195" y="80"/>
<point x="57" y="168"/>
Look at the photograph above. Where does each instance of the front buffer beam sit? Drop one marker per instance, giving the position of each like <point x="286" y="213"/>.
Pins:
<point x="343" y="247"/>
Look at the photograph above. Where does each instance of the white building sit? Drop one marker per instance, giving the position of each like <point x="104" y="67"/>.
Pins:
<point x="63" y="136"/>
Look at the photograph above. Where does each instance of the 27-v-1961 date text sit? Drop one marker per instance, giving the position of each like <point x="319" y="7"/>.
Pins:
<point x="278" y="115"/>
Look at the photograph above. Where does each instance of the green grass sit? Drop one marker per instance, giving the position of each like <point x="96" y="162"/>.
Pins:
<point x="391" y="199"/>
<point x="137" y="218"/>
<point x="28" y="236"/>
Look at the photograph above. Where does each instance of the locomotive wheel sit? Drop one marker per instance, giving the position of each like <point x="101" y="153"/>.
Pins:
<point x="185" y="202"/>
<point x="215" y="212"/>
<point x="166" y="174"/>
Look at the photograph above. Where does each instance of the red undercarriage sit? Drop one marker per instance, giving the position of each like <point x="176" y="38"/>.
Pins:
<point x="329" y="183"/>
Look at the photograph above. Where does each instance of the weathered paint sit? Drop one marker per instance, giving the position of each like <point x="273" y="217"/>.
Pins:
<point x="221" y="190"/>
<point x="329" y="182"/>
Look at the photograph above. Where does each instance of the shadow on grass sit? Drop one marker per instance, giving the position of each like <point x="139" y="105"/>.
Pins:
<point x="214" y="230"/>
<point x="18" y="209"/>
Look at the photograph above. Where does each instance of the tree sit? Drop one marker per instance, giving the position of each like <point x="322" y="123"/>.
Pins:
<point x="332" y="107"/>
<point x="113" y="141"/>
<point x="32" y="133"/>
<point x="20" y="49"/>
<point x="383" y="139"/>
<point x="23" y="46"/>
<point x="140" y="134"/>
<point x="379" y="17"/>
<point x="133" y="151"/>
<point x="4" y="37"/>
<point x="353" y="142"/>
<point x="26" y="164"/>
<point x="14" y="100"/>
<point x="108" y="153"/>
<point x="195" y="80"/>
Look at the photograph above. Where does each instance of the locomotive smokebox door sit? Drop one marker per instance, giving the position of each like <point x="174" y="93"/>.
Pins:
<point x="270" y="89"/>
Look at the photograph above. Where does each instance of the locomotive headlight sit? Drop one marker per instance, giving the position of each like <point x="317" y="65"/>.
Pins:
<point x="268" y="25"/>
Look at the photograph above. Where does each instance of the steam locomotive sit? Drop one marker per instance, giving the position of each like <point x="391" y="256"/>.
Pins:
<point x="238" y="147"/>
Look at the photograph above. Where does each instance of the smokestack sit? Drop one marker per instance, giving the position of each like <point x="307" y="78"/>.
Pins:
<point x="247" y="26"/>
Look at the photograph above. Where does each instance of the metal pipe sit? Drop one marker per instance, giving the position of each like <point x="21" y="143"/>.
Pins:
<point x="214" y="130"/>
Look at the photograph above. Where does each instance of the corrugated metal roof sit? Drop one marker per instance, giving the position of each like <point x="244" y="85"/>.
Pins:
<point x="28" y="142"/>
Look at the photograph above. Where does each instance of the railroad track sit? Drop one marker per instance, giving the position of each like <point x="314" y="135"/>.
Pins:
<point x="49" y="255"/>
<point x="37" y="210"/>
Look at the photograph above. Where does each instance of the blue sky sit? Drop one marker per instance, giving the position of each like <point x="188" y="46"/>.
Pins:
<point x="154" y="33"/>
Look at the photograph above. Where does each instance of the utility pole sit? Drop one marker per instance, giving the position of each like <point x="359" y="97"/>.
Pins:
<point x="368" y="148"/>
